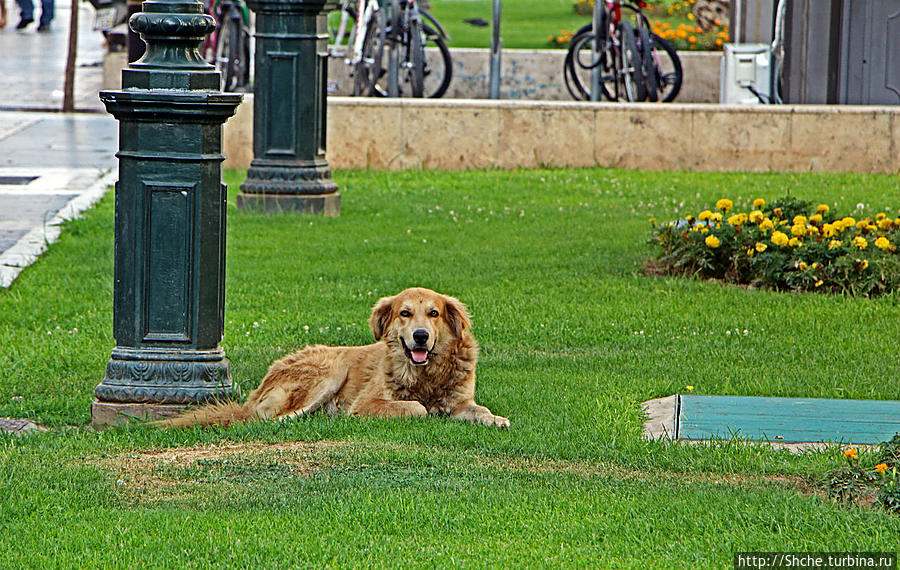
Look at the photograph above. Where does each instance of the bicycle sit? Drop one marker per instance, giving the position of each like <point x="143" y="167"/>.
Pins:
<point x="634" y="63"/>
<point x="228" y="46"/>
<point x="407" y="31"/>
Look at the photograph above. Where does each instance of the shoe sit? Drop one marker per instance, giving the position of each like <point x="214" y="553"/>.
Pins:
<point x="23" y="23"/>
<point x="44" y="27"/>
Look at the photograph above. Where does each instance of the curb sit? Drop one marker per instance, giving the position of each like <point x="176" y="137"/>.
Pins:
<point x="27" y="250"/>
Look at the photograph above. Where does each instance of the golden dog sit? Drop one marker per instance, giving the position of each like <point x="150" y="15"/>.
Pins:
<point x="423" y="362"/>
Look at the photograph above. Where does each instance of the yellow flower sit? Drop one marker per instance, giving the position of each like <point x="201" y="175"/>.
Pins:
<point x="812" y="231"/>
<point x="881" y="467"/>
<point x="794" y="242"/>
<point x="755" y="217"/>
<point x="802" y="266"/>
<point x="830" y="230"/>
<point x="860" y="242"/>
<point x="880" y="216"/>
<point x="759" y="203"/>
<point x="847" y="222"/>
<point x="882" y="243"/>
<point x="766" y="224"/>
<point x="863" y="265"/>
<point x="712" y="241"/>
<point x="716" y="217"/>
<point x="761" y="247"/>
<point x="777" y="212"/>
<point x="822" y="209"/>
<point x="815" y="219"/>
<point x="735" y="220"/>
<point x="834" y="244"/>
<point x="779" y="238"/>
<point x="724" y="204"/>
<point x="689" y="388"/>
<point x="704" y="215"/>
<point x="819" y="283"/>
<point x="798" y="230"/>
<point x="885" y="224"/>
<point x="850" y="453"/>
<point x="800" y="220"/>
<point x="652" y="220"/>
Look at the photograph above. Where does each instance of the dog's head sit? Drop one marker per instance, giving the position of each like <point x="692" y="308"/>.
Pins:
<point x="422" y="322"/>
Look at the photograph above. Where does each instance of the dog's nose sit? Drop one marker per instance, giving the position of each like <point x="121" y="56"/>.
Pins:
<point x="420" y="336"/>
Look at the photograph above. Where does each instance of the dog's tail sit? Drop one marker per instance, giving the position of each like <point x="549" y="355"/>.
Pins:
<point x="219" y="414"/>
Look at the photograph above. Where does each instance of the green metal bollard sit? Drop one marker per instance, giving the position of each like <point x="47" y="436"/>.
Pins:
<point x="289" y="171"/>
<point x="169" y="291"/>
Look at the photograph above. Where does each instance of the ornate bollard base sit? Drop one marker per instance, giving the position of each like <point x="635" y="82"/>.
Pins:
<point x="320" y="204"/>
<point x="305" y="187"/>
<point x="150" y="383"/>
<point x="116" y="414"/>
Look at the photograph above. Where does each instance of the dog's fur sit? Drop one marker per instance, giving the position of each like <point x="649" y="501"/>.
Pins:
<point x="423" y="362"/>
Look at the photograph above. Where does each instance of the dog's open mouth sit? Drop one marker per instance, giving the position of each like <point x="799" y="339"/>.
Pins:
<point x="417" y="354"/>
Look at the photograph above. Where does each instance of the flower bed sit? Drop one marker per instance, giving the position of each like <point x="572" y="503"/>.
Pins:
<point x="788" y="245"/>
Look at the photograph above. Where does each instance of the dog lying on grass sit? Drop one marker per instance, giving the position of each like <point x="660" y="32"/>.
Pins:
<point x="423" y="362"/>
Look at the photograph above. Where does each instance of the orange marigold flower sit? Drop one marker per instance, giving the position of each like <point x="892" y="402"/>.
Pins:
<point x="881" y="467"/>
<point x="850" y="453"/>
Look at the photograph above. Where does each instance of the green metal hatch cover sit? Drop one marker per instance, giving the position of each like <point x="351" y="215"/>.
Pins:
<point x="788" y="420"/>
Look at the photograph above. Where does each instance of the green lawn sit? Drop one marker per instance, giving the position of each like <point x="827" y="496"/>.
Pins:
<point x="525" y="24"/>
<point x="573" y="339"/>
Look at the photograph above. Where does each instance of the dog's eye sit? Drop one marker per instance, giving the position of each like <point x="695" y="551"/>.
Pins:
<point x="433" y="313"/>
<point x="405" y="313"/>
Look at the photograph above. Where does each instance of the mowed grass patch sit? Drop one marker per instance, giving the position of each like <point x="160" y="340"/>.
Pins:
<point x="573" y="338"/>
<point x="362" y="504"/>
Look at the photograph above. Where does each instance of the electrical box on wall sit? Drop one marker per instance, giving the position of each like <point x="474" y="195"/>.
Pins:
<point x="746" y="77"/>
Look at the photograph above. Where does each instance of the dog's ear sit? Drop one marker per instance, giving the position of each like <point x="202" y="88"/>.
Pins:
<point x="381" y="316"/>
<point x="457" y="316"/>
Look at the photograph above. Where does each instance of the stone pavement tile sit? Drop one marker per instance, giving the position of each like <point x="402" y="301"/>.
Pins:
<point x="58" y="140"/>
<point x="31" y="212"/>
<point x="19" y="426"/>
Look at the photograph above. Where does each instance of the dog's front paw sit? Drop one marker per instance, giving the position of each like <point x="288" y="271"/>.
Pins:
<point x="497" y="421"/>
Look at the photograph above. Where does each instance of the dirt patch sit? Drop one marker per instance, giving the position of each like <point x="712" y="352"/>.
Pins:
<point x="584" y="469"/>
<point x="165" y="474"/>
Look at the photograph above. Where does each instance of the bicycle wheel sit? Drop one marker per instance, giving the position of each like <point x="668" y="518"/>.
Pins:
<point x="232" y="52"/>
<point x="579" y="64"/>
<point x="667" y="67"/>
<point x="648" y="67"/>
<point x="414" y="61"/>
<point x="629" y="84"/>
<point x="438" y="66"/>
<point x="369" y="68"/>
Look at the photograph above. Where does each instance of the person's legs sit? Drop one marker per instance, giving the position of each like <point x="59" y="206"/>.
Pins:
<point x="47" y="12"/>
<point x="26" y="13"/>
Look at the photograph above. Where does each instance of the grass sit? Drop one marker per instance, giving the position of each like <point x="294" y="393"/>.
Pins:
<point x="525" y="24"/>
<point x="573" y="339"/>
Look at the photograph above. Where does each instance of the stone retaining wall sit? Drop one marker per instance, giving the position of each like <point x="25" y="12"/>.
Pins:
<point x="459" y="134"/>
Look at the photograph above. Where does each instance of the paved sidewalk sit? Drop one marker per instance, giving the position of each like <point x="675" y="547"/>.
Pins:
<point x="32" y="66"/>
<point x="52" y="165"/>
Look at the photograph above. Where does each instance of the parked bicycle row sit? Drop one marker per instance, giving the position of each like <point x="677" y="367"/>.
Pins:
<point x="623" y="61"/>
<point x="395" y="48"/>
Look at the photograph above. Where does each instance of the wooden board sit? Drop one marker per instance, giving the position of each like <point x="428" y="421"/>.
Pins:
<point x="786" y="419"/>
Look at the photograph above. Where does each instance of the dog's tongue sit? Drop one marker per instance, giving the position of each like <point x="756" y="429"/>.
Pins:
<point x="419" y="356"/>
